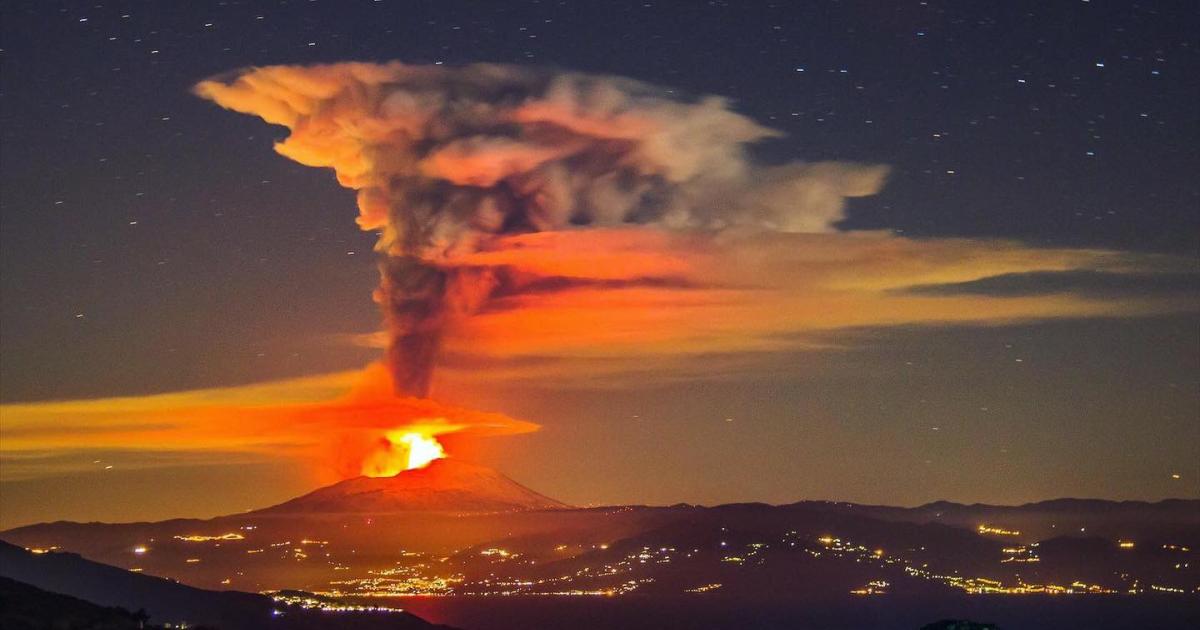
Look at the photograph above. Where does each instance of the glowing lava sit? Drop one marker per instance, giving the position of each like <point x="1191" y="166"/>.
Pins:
<point x="402" y="450"/>
<point x="421" y="449"/>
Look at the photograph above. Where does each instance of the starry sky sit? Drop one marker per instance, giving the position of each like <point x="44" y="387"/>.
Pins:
<point x="153" y="244"/>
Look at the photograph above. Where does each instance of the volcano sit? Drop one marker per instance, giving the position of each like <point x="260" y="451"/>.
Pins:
<point x="445" y="485"/>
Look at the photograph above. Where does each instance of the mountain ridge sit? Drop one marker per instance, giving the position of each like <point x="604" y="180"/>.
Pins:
<point x="1162" y="503"/>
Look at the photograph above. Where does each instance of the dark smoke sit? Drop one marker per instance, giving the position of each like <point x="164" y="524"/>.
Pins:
<point x="445" y="159"/>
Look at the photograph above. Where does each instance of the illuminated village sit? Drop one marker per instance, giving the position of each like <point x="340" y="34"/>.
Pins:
<point x="321" y="571"/>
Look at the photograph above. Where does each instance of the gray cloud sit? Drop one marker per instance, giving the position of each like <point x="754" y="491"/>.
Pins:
<point x="445" y="159"/>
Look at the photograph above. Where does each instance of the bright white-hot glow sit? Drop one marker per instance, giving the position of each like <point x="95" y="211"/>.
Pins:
<point x="405" y="450"/>
<point x="421" y="449"/>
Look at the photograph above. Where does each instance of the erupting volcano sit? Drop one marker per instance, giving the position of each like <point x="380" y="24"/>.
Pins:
<point x="494" y="188"/>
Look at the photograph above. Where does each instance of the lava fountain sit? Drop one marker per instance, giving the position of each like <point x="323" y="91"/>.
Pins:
<point x="402" y="450"/>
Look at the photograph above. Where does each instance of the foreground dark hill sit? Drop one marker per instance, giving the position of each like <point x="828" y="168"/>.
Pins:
<point x="165" y="601"/>
<point x="111" y="586"/>
<point x="445" y="485"/>
<point x="26" y="607"/>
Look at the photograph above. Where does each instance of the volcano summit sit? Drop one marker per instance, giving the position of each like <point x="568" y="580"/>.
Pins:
<point x="445" y="485"/>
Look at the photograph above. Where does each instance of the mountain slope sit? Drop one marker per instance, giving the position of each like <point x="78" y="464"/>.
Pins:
<point x="167" y="601"/>
<point x="27" y="607"/>
<point x="107" y="585"/>
<point x="445" y="485"/>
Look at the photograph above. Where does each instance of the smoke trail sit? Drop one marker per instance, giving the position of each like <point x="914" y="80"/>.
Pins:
<point x="445" y="160"/>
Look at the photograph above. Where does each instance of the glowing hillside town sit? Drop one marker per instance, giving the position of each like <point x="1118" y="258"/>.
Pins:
<point x="598" y="569"/>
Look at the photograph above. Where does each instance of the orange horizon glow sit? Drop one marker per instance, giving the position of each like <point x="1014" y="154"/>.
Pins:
<point x="336" y="423"/>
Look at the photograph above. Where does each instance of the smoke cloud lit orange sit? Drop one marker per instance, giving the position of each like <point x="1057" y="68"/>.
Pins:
<point x="449" y="161"/>
<point x="640" y="296"/>
<point x="336" y="422"/>
<point x="531" y="213"/>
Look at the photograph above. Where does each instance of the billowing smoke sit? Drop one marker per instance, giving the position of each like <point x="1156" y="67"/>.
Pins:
<point x="447" y="161"/>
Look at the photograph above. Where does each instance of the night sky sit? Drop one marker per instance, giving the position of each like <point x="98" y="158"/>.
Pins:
<point x="153" y="243"/>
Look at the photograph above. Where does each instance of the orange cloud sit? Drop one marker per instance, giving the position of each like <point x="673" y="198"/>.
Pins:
<point x="333" y="420"/>
<point x="644" y="292"/>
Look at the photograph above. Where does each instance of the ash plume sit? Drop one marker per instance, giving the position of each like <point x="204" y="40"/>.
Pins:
<point x="448" y="160"/>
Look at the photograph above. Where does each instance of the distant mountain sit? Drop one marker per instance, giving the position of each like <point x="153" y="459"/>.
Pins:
<point x="1171" y="520"/>
<point x="166" y="601"/>
<point x="445" y="485"/>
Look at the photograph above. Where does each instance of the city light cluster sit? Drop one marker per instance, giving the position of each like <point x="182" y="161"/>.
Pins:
<point x="203" y="538"/>
<point x="874" y="587"/>
<point x="997" y="531"/>
<point x="311" y="602"/>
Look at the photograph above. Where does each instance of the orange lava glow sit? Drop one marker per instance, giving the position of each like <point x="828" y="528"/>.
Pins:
<point x="343" y="425"/>
<point x="402" y="450"/>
